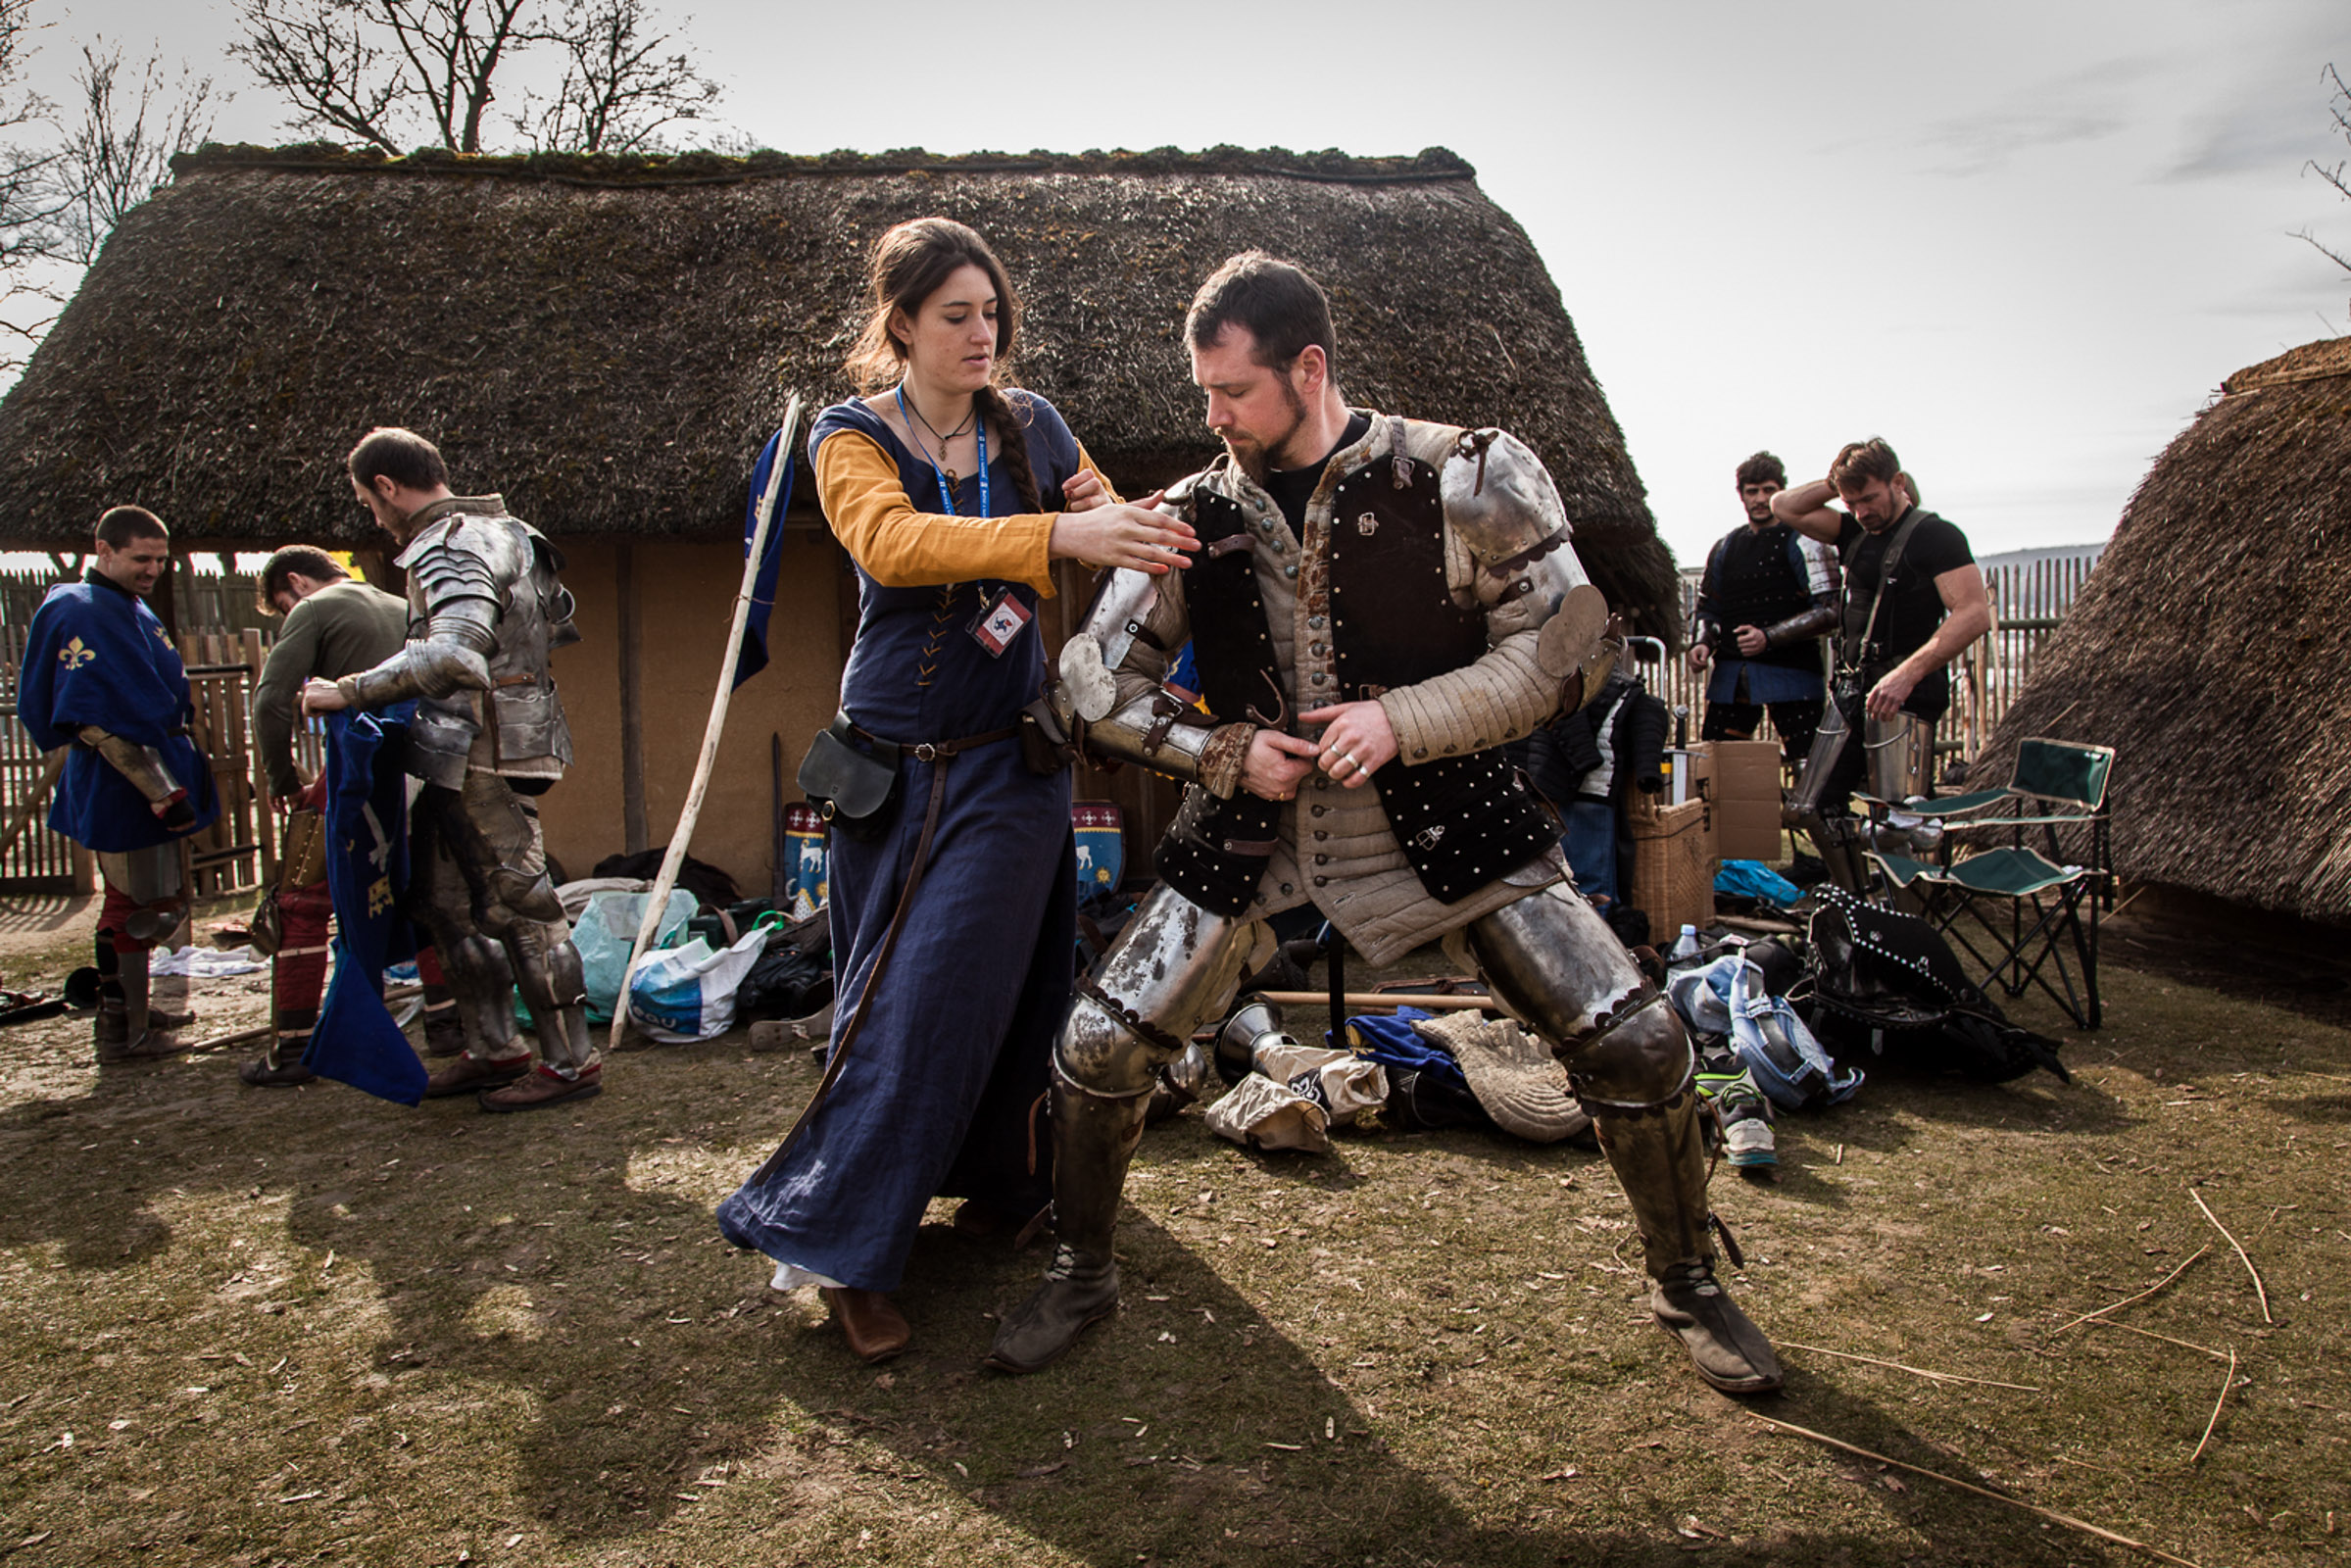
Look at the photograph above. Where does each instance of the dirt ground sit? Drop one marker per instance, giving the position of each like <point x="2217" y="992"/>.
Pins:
<point x="252" y="1327"/>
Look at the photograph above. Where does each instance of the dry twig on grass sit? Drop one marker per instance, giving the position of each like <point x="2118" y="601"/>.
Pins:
<point x="2241" y="1253"/>
<point x="2116" y="1306"/>
<point x="1918" y="1371"/>
<point x="2185" y="1344"/>
<point x="2226" y="1384"/>
<point x="2065" y="1519"/>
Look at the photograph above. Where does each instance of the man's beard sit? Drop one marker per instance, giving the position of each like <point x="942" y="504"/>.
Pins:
<point x="1255" y="458"/>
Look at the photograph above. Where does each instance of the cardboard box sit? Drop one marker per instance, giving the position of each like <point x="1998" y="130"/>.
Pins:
<point x="1745" y="791"/>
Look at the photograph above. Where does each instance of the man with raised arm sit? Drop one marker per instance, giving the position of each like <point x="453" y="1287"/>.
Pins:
<point x="485" y="610"/>
<point x="1378" y="605"/>
<point x="1914" y="600"/>
<point x="101" y="676"/>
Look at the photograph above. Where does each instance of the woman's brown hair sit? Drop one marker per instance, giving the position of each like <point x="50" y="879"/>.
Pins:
<point x="910" y="262"/>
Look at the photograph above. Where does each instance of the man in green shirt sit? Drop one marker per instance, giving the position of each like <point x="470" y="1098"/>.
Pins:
<point x="335" y="627"/>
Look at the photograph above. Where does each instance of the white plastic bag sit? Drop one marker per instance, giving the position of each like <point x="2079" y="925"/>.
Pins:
<point x="688" y="993"/>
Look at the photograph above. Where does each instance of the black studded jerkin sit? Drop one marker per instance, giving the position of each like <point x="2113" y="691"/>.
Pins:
<point x="1215" y="851"/>
<point x="1462" y="821"/>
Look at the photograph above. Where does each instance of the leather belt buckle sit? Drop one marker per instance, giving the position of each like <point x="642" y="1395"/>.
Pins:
<point x="927" y="752"/>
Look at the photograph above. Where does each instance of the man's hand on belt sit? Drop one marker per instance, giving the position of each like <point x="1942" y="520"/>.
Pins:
<point x="1358" y="741"/>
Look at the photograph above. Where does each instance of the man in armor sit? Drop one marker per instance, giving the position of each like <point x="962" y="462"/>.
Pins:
<point x="101" y="676"/>
<point x="484" y="611"/>
<point x="334" y="628"/>
<point x="1914" y="600"/>
<point x="1412" y="588"/>
<point x="1768" y="594"/>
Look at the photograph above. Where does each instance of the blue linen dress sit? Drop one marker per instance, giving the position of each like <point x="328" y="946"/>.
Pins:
<point x="943" y="1092"/>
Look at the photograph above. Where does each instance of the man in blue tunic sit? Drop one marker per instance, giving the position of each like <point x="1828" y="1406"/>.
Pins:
<point x="101" y="676"/>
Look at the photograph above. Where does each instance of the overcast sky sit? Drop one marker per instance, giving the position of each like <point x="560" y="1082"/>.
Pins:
<point x="2024" y="242"/>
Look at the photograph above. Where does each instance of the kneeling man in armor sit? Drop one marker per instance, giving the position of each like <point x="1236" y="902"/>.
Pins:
<point x="1378" y="605"/>
<point x="484" y="613"/>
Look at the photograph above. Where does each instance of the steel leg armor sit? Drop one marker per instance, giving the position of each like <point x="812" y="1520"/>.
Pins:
<point x="485" y="893"/>
<point x="1554" y="962"/>
<point x="1171" y="969"/>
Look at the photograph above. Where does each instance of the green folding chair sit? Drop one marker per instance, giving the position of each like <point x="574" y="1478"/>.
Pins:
<point x="2019" y="910"/>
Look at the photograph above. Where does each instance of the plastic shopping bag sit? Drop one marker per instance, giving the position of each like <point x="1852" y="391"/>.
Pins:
<point x="608" y="928"/>
<point x="688" y="993"/>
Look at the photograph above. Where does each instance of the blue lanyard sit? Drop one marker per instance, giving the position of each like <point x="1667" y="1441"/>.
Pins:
<point x="946" y="496"/>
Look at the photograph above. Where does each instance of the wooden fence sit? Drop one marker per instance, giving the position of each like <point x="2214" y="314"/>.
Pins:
<point x="2029" y="601"/>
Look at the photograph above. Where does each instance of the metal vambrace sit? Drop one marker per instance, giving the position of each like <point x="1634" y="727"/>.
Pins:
<point x="1812" y="623"/>
<point x="143" y="766"/>
<point x="1154" y="730"/>
<point x="452" y="657"/>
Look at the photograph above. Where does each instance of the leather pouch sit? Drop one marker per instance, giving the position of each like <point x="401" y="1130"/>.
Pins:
<point x="854" y="789"/>
<point x="1044" y="740"/>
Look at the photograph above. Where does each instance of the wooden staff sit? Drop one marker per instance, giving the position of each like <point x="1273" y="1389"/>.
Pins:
<point x="684" y="834"/>
<point x="51" y="765"/>
<point x="1426" y="1002"/>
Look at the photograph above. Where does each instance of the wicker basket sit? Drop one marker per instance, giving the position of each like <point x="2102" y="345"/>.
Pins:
<point x="1673" y="865"/>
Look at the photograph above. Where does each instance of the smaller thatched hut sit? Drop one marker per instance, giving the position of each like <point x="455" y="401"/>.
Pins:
<point x="2209" y="651"/>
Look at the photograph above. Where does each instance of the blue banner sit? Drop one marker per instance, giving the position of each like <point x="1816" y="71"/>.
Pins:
<point x="356" y="1041"/>
<point x="763" y="586"/>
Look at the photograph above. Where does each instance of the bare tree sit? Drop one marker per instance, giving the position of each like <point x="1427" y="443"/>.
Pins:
<point x="119" y="151"/>
<point x="395" y="74"/>
<point x="2338" y="104"/>
<point x="624" y="84"/>
<point x="28" y="199"/>
<point x="373" y="69"/>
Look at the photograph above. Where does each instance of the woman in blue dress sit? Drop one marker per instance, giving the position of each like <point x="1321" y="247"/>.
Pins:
<point x="936" y="485"/>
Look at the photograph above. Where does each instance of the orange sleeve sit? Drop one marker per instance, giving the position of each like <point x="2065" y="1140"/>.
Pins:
<point x="865" y="501"/>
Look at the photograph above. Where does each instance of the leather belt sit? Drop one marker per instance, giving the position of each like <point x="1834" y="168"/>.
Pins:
<point x="924" y="751"/>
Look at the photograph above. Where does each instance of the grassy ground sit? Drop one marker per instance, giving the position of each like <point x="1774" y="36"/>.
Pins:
<point x="249" y="1328"/>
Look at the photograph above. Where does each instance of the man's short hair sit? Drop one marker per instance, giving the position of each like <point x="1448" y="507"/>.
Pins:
<point x="316" y="564"/>
<point x="121" y="524"/>
<point x="403" y="457"/>
<point x="1280" y="306"/>
<point x="1763" y="468"/>
<point x="1860" y="462"/>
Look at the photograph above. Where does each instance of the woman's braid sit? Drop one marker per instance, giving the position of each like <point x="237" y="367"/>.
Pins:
<point x="999" y="414"/>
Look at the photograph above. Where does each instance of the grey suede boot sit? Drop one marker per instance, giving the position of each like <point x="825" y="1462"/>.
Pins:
<point x="1092" y="1140"/>
<point x="1659" y="1157"/>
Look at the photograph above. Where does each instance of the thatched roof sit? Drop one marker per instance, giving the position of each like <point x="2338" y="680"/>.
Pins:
<point x="608" y="340"/>
<point x="2209" y="649"/>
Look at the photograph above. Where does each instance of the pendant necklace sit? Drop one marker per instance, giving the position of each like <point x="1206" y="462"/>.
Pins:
<point x="945" y="476"/>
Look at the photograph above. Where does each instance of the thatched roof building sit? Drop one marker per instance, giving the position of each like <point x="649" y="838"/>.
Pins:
<point x="2209" y="651"/>
<point x="610" y="339"/>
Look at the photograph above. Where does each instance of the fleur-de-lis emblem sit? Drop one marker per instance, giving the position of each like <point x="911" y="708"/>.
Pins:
<point x="74" y="655"/>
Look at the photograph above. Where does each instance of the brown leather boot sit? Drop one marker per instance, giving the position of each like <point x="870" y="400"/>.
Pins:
<point x="1094" y="1138"/>
<point x="873" y="1326"/>
<point x="1660" y="1156"/>
<point x="468" y="1074"/>
<point x="543" y="1086"/>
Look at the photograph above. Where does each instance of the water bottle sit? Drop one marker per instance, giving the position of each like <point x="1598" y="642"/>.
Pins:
<point x="1685" y="949"/>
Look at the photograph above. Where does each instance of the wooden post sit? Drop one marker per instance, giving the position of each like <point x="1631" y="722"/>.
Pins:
<point x="717" y="727"/>
<point x="633" y="837"/>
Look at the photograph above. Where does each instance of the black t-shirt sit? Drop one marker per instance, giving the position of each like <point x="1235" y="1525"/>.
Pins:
<point x="1912" y="608"/>
<point x="1292" y="488"/>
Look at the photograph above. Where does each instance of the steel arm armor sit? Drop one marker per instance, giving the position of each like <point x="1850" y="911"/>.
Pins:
<point x="143" y="766"/>
<point x="453" y="656"/>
